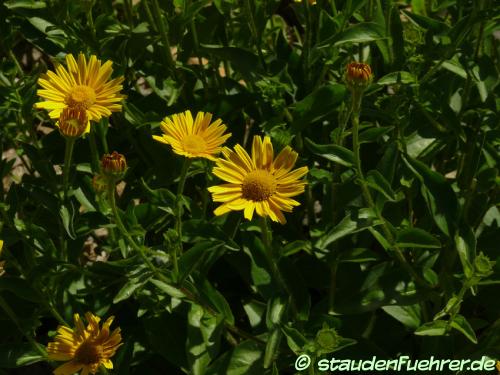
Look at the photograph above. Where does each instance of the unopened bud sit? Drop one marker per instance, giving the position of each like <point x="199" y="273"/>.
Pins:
<point x="483" y="266"/>
<point x="114" y="164"/>
<point x="358" y="75"/>
<point x="327" y="340"/>
<point x="100" y="183"/>
<point x="73" y="122"/>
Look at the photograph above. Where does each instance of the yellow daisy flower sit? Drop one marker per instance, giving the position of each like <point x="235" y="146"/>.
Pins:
<point x="259" y="183"/>
<point x="84" y="348"/>
<point x="196" y="138"/>
<point x="83" y="84"/>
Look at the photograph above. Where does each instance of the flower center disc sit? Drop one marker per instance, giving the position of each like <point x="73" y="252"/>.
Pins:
<point x="81" y="96"/>
<point x="88" y="353"/>
<point x="194" y="143"/>
<point x="258" y="185"/>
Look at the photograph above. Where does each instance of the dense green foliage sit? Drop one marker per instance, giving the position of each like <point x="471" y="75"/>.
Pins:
<point x="410" y="272"/>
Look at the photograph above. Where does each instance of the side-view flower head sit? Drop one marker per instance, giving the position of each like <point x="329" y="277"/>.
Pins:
<point x="73" y="122"/>
<point x="198" y="138"/>
<point x="259" y="183"/>
<point x="84" y="84"/>
<point x="358" y="75"/>
<point x="114" y="164"/>
<point x="84" y="348"/>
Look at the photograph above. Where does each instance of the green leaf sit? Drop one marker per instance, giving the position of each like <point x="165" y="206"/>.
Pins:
<point x="372" y="134"/>
<point x="22" y="354"/>
<point x="67" y="216"/>
<point x="169" y="289"/>
<point x="465" y="243"/>
<point x="397" y="77"/>
<point x="216" y="299"/>
<point x="426" y="22"/>
<point x="295" y="247"/>
<point x="416" y="237"/>
<point x="434" y="328"/>
<point x="355" y="221"/>
<point x="335" y="153"/>
<point x="438" y="194"/>
<point x="127" y="290"/>
<point x="377" y="181"/>
<point x="359" y="33"/>
<point x="203" y="339"/>
<point x="462" y="325"/>
<point x="20" y="287"/>
<point x="409" y="315"/>
<point x="241" y="59"/>
<point x="272" y="347"/>
<point x="296" y="341"/>
<point x="317" y="105"/>
<point x="276" y="307"/>
<point x="244" y="359"/>
<point x="192" y="258"/>
<point x="26" y="4"/>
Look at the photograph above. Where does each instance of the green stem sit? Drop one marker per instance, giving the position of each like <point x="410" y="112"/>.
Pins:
<point x="123" y="230"/>
<point x="255" y="33"/>
<point x="179" y="211"/>
<point x="141" y="251"/>
<point x="307" y="42"/>
<point x="164" y="37"/>
<point x="196" y="45"/>
<point x="335" y="257"/>
<point x="94" y="154"/>
<point x="356" y="106"/>
<point x="272" y="260"/>
<point x="12" y="315"/>
<point x="16" y="63"/>
<point x="68" y="155"/>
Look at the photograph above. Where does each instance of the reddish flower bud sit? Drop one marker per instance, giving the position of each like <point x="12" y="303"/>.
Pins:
<point x="114" y="164"/>
<point x="358" y="75"/>
<point x="73" y="122"/>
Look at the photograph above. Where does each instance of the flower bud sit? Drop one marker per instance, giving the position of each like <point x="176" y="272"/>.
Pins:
<point x="100" y="183"/>
<point x="327" y="340"/>
<point x="73" y="122"/>
<point x="358" y="75"/>
<point x="2" y="263"/>
<point x="483" y="267"/>
<point x="113" y="165"/>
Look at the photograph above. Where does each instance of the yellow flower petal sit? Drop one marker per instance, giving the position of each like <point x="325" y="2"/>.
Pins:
<point x="258" y="183"/>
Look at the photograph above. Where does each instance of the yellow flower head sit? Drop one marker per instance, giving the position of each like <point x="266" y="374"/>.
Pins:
<point x="82" y="84"/>
<point x="198" y="138"/>
<point x="259" y="183"/>
<point x="84" y="348"/>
